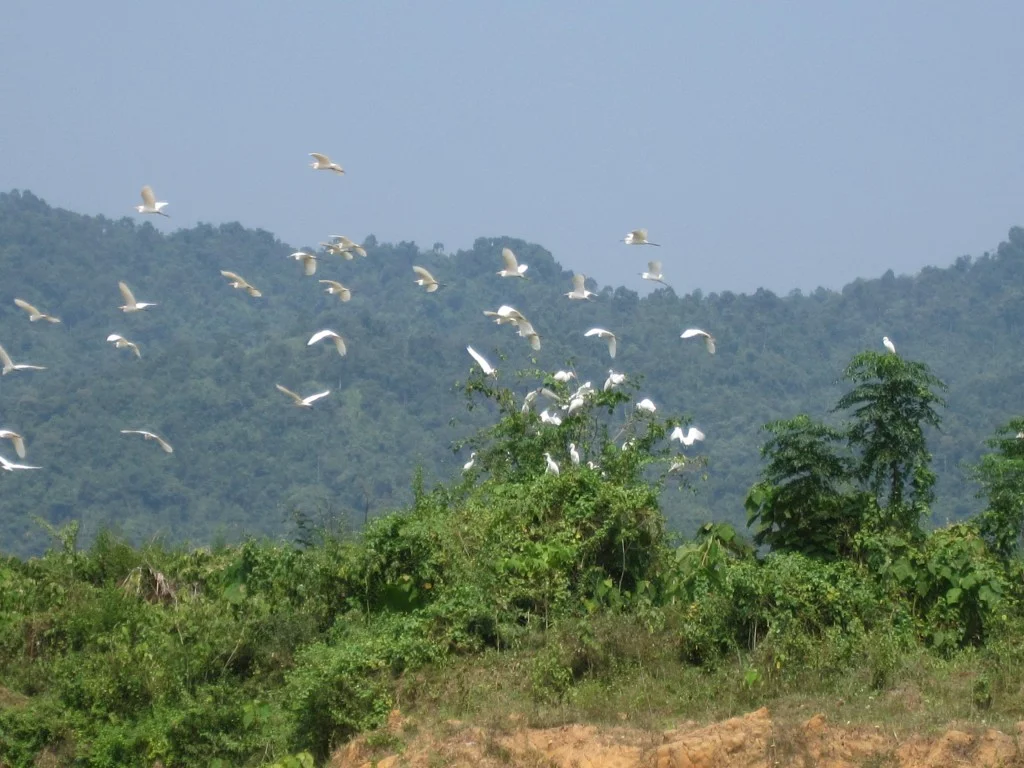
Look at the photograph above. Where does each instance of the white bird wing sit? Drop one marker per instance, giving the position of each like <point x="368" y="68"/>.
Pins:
<point x="288" y="392"/>
<point x="163" y="443"/>
<point x="511" y="265"/>
<point x="243" y="283"/>
<point x="481" y="361"/>
<point x="115" y="337"/>
<point x="424" y="274"/>
<point x="148" y="198"/>
<point x="654" y="267"/>
<point x="27" y="307"/>
<point x="19" y="445"/>
<point x="322" y="159"/>
<point x="126" y="293"/>
<point x="710" y="343"/>
<point x="689" y="333"/>
<point x="677" y="434"/>
<point x="5" y="359"/>
<point x="321" y="335"/>
<point x="313" y="398"/>
<point x="599" y="332"/>
<point x="579" y="283"/>
<point x="692" y="434"/>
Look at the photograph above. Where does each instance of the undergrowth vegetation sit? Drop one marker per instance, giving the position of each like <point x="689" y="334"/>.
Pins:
<point x="520" y="589"/>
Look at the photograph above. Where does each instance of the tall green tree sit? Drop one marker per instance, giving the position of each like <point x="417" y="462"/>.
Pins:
<point x="805" y="501"/>
<point x="892" y="402"/>
<point x="1001" y="475"/>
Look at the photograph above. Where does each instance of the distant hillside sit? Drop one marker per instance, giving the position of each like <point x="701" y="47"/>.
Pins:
<point x="246" y="462"/>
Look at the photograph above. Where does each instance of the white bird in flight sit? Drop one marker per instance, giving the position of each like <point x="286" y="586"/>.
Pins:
<point x="150" y="204"/>
<point x="638" y="237"/>
<point x="646" y="405"/>
<point x="337" y="289"/>
<point x="688" y="438"/>
<point x="469" y="464"/>
<point x="34" y="314"/>
<point x="237" y="281"/>
<point x="303" y="402"/>
<point x="9" y="365"/>
<point x="552" y="466"/>
<point x="601" y="333"/>
<point x="16" y="440"/>
<point x="579" y="289"/>
<point x="308" y="261"/>
<point x="887" y="343"/>
<point x="512" y="267"/>
<point x="614" y="379"/>
<point x="322" y="162"/>
<point x="339" y="343"/>
<point x="550" y="418"/>
<point x="344" y="246"/>
<point x="150" y="436"/>
<point x="709" y="340"/>
<point x="654" y="273"/>
<point x="487" y="368"/>
<point x="505" y="315"/>
<point x="10" y="466"/>
<point x="130" y="304"/>
<point x="426" y="279"/>
<point x="120" y="342"/>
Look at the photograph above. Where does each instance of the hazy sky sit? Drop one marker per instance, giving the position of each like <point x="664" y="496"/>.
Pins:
<point x="775" y="144"/>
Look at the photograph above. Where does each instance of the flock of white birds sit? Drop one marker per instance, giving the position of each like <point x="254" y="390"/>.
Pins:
<point x="342" y="246"/>
<point x="346" y="248"/>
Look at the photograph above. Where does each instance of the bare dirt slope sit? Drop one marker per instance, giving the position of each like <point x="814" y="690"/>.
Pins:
<point x="753" y="740"/>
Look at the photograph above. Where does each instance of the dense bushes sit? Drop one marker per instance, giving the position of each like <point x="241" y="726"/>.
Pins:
<point x="273" y="652"/>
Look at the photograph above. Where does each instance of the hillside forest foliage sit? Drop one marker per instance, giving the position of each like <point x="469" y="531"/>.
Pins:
<point x="246" y="464"/>
<point x="563" y="588"/>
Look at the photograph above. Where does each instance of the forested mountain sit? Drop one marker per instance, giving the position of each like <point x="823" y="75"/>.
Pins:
<point x="245" y="461"/>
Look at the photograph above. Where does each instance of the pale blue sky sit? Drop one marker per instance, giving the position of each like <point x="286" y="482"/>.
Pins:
<point x="776" y="144"/>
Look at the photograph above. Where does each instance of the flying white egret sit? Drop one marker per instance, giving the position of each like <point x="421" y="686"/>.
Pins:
<point x="552" y="466"/>
<point x="308" y="261"/>
<point x="322" y="162"/>
<point x="130" y="304"/>
<point x="237" y="281"/>
<point x="426" y="279"/>
<point x="550" y="418"/>
<point x="150" y="436"/>
<point x="150" y="204"/>
<point x="614" y="379"/>
<point x="512" y="267"/>
<point x="574" y="455"/>
<point x="505" y="315"/>
<point x="9" y="365"/>
<point x="887" y="343"/>
<point x="34" y="314"/>
<point x="337" y="250"/>
<point x="579" y="288"/>
<point x="469" y="464"/>
<point x="339" y="343"/>
<point x="654" y="273"/>
<point x="564" y="376"/>
<point x="337" y="289"/>
<point x="688" y="438"/>
<point x="344" y="245"/>
<point x="487" y="368"/>
<point x="709" y="340"/>
<point x="638" y="237"/>
<point x="303" y="402"/>
<point x="608" y="336"/>
<point x="120" y="342"/>
<point x="527" y="332"/>
<point x="16" y="440"/>
<point x="646" y="405"/>
<point x="10" y="466"/>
